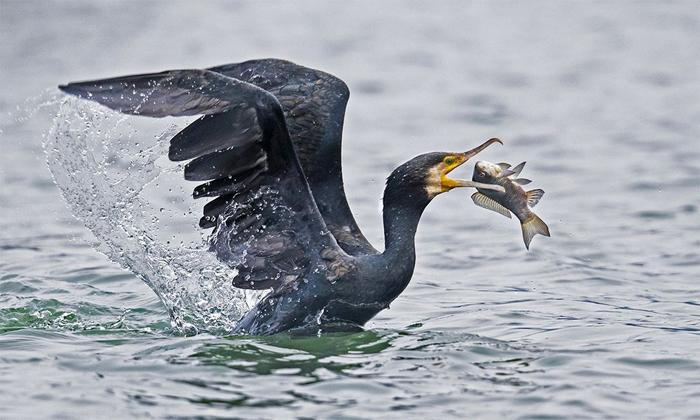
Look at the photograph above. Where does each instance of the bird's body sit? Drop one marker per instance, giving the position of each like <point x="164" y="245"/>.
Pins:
<point x="268" y="150"/>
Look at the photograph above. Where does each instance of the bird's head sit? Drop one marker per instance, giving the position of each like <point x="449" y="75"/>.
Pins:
<point x="425" y="176"/>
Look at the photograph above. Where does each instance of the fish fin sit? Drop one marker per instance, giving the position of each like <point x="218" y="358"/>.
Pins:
<point x="488" y="203"/>
<point x="506" y="173"/>
<point x="504" y="165"/>
<point x="531" y="227"/>
<point x="522" y="181"/>
<point x="533" y="197"/>
<point x="516" y="170"/>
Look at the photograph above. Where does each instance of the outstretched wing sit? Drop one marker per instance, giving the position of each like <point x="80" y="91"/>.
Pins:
<point x="267" y="224"/>
<point x="313" y="103"/>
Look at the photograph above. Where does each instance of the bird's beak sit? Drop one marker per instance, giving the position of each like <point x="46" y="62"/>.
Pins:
<point x="449" y="183"/>
<point x="466" y="183"/>
<point x="471" y="153"/>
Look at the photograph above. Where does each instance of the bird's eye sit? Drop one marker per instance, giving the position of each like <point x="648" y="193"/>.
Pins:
<point x="449" y="161"/>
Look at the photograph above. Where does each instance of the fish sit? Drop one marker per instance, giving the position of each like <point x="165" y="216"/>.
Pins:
<point x="514" y="200"/>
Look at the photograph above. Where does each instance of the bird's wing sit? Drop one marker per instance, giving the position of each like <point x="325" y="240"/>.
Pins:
<point x="313" y="103"/>
<point x="267" y="224"/>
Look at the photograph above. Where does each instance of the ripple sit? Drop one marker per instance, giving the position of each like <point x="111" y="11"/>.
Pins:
<point x="481" y="109"/>
<point x="16" y="287"/>
<point x="662" y="363"/>
<point x="654" y="214"/>
<point x="368" y="87"/>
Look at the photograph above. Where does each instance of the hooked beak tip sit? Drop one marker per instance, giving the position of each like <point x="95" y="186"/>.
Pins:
<point x="471" y="153"/>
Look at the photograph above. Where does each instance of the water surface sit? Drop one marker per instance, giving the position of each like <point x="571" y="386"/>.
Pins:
<point x="601" y="320"/>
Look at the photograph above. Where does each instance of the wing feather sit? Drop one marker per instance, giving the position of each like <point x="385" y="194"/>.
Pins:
<point x="314" y="104"/>
<point x="267" y="224"/>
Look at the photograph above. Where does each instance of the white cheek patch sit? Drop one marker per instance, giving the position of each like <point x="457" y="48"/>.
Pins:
<point x="433" y="185"/>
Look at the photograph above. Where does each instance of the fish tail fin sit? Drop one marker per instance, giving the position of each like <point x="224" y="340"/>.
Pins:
<point x="531" y="226"/>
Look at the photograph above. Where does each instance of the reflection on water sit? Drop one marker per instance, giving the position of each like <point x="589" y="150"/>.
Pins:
<point x="601" y="320"/>
<point x="300" y="356"/>
<point x="391" y="361"/>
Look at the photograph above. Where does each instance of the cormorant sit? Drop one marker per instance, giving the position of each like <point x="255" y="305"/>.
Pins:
<point x="268" y="150"/>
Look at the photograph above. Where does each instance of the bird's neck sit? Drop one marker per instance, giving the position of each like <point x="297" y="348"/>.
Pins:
<point x="399" y="257"/>
<point x="400" y="225"/>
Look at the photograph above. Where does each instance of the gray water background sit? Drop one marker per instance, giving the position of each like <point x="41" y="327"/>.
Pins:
<point x="601" y="320"/>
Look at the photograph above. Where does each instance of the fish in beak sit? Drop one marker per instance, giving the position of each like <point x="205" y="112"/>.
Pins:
<point x="453" y="161"/>
<point x="514" y="200"/>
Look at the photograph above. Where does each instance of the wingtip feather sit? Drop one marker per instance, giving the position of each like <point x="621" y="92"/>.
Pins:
<point x="69" y="88"/>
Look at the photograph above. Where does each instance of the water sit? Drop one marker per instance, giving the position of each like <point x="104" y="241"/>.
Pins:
<point x="601" y="320"/>
<point x="117" y="180"/>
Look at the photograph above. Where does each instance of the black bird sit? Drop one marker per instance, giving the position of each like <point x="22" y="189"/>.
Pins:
<point x="268" y="148"/>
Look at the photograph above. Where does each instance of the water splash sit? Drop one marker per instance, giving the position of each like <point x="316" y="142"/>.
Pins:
<point x="114" y="174"/>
